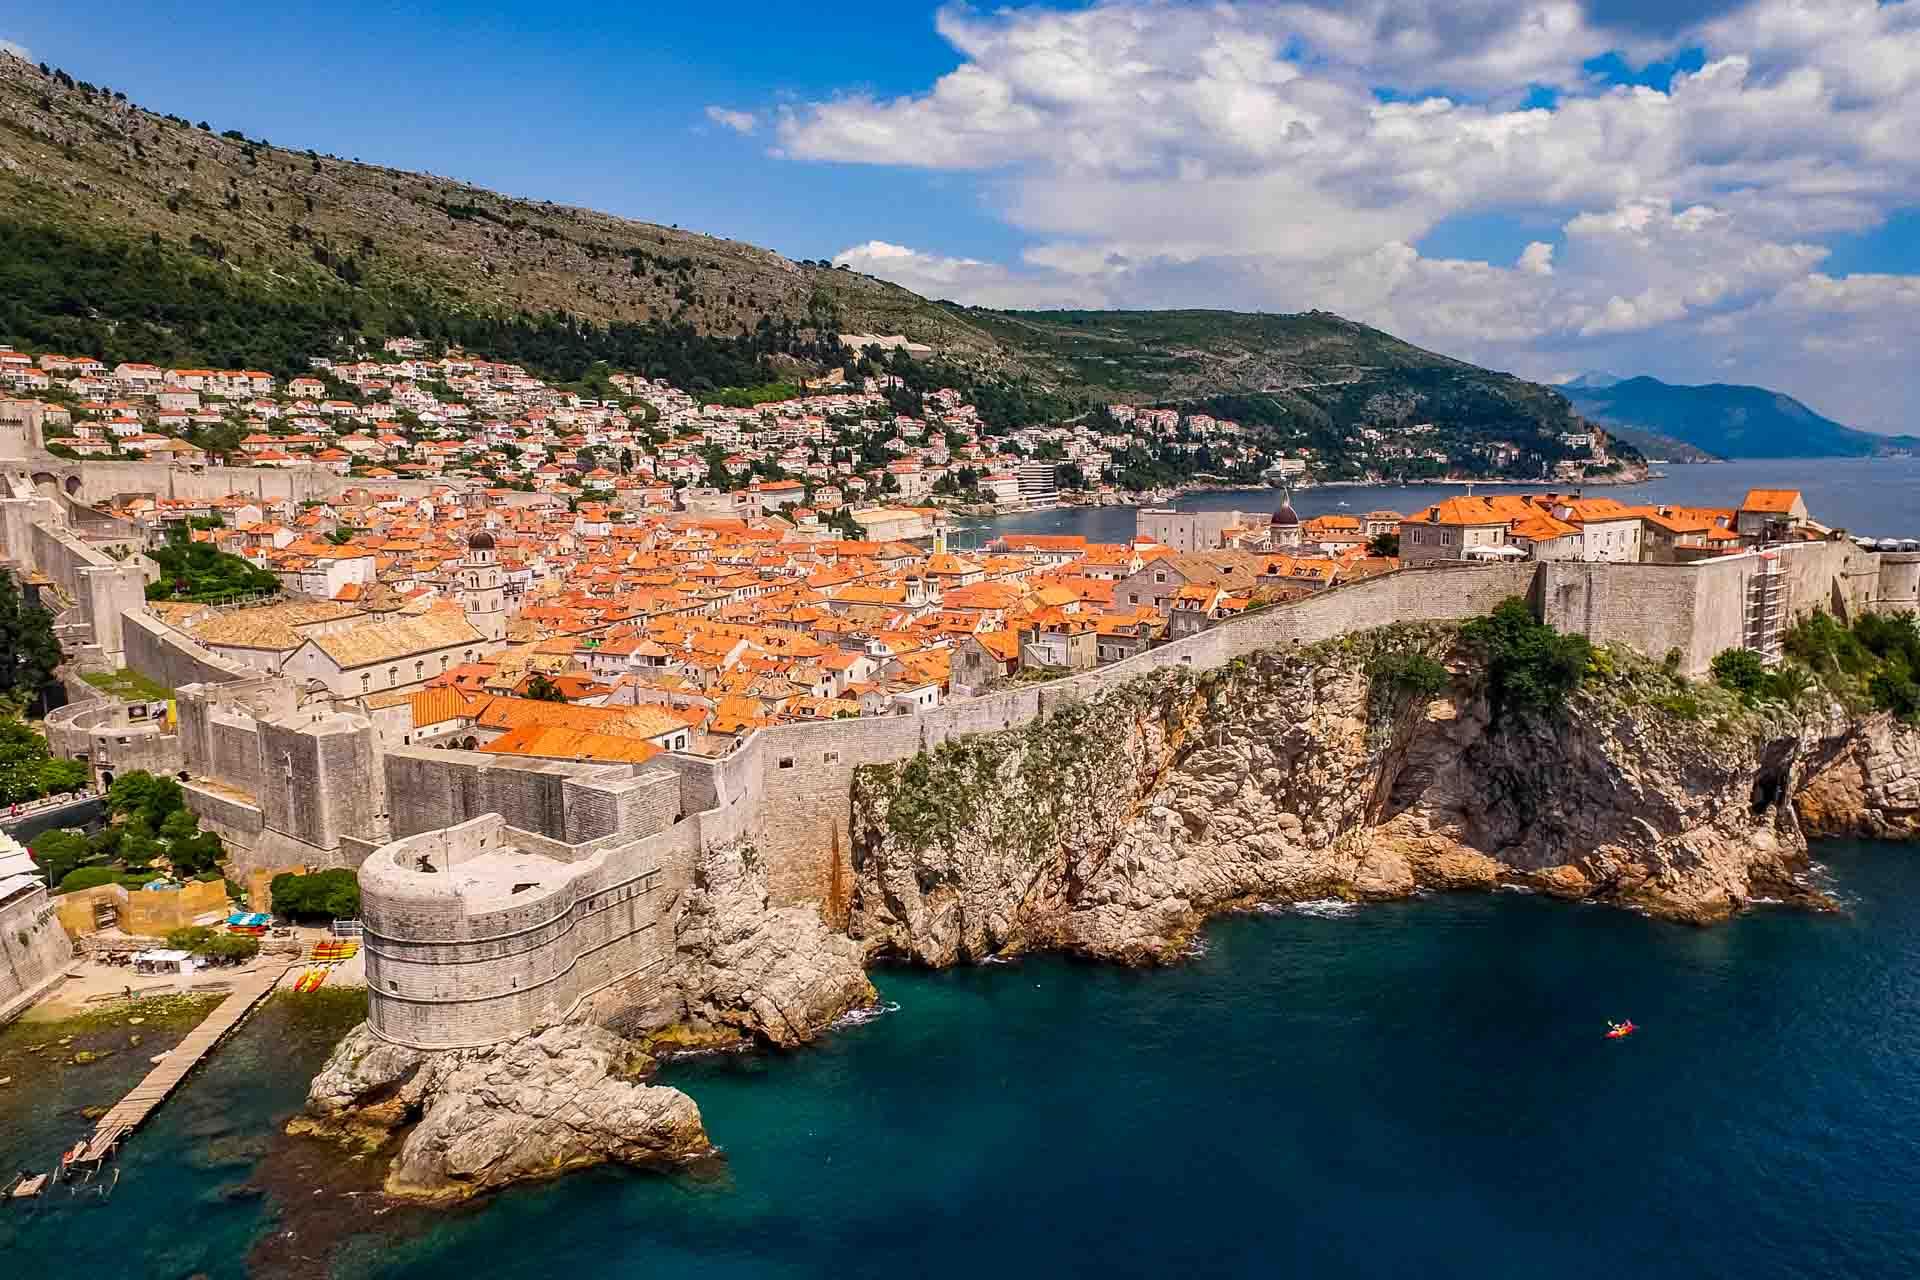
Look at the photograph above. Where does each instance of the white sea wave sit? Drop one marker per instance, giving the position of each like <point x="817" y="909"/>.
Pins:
<point x="860" y="1017"/>
<point x="995" y="960"/>
<point x="1517" y="888"/>
<point x="1320" y="908"/>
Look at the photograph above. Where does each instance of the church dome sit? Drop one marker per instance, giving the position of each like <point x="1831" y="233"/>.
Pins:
<point x="1285" y="515"/>
<point x="481" y="541"/>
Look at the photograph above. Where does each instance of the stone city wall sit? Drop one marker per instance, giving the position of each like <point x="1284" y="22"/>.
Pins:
<point x="282" y="784"/>
<point x="1899" y="587"/>
<point x="101" y="480"/>
<point x="1699" y="609"/>
<point x="160" y="653"/>
<point x="34" y="950"/>
<point x="787" y="789"/>
<point x="806" y="771"/>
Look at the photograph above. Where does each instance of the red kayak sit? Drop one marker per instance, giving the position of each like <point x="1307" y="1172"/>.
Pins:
<point x="1620" y="1030"/>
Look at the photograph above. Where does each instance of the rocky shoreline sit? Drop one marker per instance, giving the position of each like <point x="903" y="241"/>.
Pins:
<point x="472" y="1120"/>
<point x="1113" y="828"/>
<point x="457" y="1123"/>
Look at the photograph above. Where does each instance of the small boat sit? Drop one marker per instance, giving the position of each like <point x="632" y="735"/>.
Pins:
<point x="1620" y="1030"/>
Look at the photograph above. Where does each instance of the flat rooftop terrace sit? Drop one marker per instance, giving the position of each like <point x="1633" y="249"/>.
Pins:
<point x="503" y="877"/>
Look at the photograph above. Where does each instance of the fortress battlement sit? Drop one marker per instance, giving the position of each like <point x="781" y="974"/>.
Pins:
<point x="480" y="930"/>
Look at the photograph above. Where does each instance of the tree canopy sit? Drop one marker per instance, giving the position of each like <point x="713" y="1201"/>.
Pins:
<point x="196" y="571"/>
<point x="323" y="895"/>
<point x="28" y="651"/>
<point x="28" y="769"/>
<point x="1530" y="666"/>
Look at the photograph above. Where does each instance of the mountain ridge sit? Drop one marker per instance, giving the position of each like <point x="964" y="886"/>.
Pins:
<point x="1728" y="420"/>
<point x="139" y="235"/>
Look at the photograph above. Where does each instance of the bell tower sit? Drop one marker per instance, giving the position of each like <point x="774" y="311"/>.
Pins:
<point x="482" y="596"/>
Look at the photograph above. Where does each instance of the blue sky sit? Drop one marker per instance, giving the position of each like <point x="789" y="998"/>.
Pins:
<point x="1698" y="189"/>
<point x="594" y="104"/>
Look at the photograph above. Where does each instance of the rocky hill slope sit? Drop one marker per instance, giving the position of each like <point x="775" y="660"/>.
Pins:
<point x="132" y="235"/>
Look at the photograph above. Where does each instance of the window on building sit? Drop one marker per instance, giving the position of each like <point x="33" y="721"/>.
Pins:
<point x="786" y="762"/>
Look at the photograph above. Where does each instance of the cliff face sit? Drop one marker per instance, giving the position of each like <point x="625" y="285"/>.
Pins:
<point x="744" y="970"/>
<point x="1867" y="786"/>
<point x="1114" y="827"/>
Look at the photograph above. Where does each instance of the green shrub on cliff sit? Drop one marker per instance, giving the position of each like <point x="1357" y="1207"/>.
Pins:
<point x="1530" y="666"/>
<point x="1740" y="670"/>
<point x="1415" y="674"/>
<point x="1745" y="673"/>
<point x="1874" y="663"/>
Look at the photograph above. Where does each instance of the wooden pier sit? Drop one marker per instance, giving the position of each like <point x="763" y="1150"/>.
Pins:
<point x="126" y="1115"/>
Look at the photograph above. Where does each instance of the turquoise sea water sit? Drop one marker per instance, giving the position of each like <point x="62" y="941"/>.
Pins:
<point x="1410" y="1089"/>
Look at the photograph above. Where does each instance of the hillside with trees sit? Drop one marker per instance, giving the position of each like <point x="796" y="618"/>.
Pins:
<point x="128" y="234"/>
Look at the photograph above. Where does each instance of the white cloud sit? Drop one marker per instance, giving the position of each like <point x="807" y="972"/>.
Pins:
<point x="739" y="121"/>
<point x="968" y="280"/>
<point x="19" y="51"/>
<point x="1238" y="154"/>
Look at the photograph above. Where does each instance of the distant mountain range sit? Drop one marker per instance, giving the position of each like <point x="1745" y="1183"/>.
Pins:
<point x="1722" y="419"/>
<point x="1592" y="380"/>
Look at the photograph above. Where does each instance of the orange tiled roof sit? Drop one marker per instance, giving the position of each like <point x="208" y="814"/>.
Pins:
<point x="1771" y="501"/>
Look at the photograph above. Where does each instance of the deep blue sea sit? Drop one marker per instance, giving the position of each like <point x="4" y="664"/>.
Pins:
<point x="1412" y="1089"/>
<point x="1873" y="497"/>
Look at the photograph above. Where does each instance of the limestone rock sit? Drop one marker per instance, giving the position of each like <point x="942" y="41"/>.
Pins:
<point x="557" y="1099"/>
<point x="1869" y="786"/>
<point x="1114" y="827"/>
<point x="744" y="970"/>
